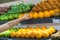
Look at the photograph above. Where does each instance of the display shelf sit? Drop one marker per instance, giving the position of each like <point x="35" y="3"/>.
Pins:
<point x="2" y="22"/>
<point x="45" y="20"/>
<point x="23" y="38"/>
<point x="38" y="21"/>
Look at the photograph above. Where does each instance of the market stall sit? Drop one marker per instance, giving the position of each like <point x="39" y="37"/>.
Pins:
<point x="43" y="25"/>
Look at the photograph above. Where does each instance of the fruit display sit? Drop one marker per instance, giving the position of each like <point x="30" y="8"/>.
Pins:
<point x="33" y="32"/>
<point x="4" y="9"/>
<point x="7" y="32"/>
<point x="35" y="15"/>
<point x="45" y="14"/>
<point x="7" y="17"/>
<point x="20" y="8"/>
<point x="46" y="5"/>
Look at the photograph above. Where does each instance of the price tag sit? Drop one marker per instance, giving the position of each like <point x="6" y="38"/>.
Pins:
<point x="56" y="20"/>
<point x="9" y="39"/>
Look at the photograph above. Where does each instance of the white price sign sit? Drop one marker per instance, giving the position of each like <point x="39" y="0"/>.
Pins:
<point x="56" y="20"/>
<point x="9" y="39"/>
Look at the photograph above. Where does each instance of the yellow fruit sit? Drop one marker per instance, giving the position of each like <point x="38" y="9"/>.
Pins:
<point x="31" y="14"/>
<point x="52" y="12"/>
<point x="18" y="34"/>
<point x="31" y="28"/>
<point x="45" y="34"/>
<point x="49" y="31"/>
<point x="23" y="33"/>
<point x="21" y="15"/>
<point x="52" y="29"/>
<point x="44" y="27"/>
<point x="57" y="10"/>
<point x="35" y="15"/>
<point x="41" y="15"/>
<point x="33" y="33"/>
<point x="39" y="34"/>
<point x="12" y="34"/>
<point x="47" y="14"/>
<point x="20" y="30"/>
<point x="28" y="33"/>
<point x="37" y="28"/>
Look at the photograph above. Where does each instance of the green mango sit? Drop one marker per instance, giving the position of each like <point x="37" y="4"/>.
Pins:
<point x="2" y="18"/>
<point x="17" y="15"/>
<point x="7" y="34"/>
<point x="10" y="17"/>
<point x="5" y="17"/>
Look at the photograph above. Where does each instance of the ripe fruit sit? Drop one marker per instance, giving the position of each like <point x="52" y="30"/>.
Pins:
<point x="33" y="33"/>
<point x="52" y="29"/>
<point x="47" y="14"/>
<point x="49" y="31"/>
<point x="41" y="15"/>
<point x="35" y="15"/>
<point x="44" y="28"/>
<point x="45" y="34"/>
<point x="57" y="10"/>
<point x="21" y="15"/>
<point x="23" y="33"/>
<point x="12" y="34"/>
<point x="31" y="15"/>
<point x="18" y="34"/>
<point x="28" y="33"/>
<point x="39" y="34"/>
<point x="52" y="12"/>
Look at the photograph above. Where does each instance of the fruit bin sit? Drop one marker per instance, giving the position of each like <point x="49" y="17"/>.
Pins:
<point x="53" y="20"/>
<point x="35" y="20"/>
<point x="7" y="33"/>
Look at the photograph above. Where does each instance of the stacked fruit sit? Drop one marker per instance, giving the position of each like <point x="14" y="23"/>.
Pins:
<point x="4" y="9"/>
<point x="8" y="16"/>
<point x="14" y="11"/>
<point x="44" y="14"/>
<point x="21" y="8"/>
<point x="46" y="5"/>
<point x="33" y="32"/>
<point x="7" y="32"/>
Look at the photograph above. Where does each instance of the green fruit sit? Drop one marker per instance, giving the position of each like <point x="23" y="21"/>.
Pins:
<point x="10" y="17"/>
<point x="16" y="15"/>
<point x="2" y="18"/>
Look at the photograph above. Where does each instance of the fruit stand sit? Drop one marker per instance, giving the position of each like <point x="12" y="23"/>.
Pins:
<point x="43" y="25"/>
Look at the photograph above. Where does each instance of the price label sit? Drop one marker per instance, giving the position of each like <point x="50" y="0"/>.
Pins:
<point x="10" y="39"/>
<point x="56" y="20"/>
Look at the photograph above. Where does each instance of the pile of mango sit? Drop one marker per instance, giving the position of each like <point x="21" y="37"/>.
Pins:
<point x="7" y="17"/>
<point x="7" y="32"/>
<point x="15" y="11"/>
<point x="20" y="8"/>
<point x="30" y="32"/>
<point x="43" y="14"/>
<point x="33" y="32"/>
